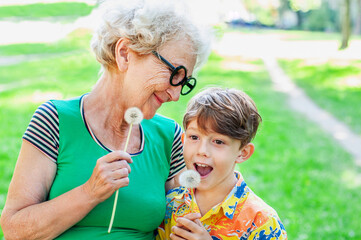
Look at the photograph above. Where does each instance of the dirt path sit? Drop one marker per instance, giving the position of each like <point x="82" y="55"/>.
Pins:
<point x="300" y="102"/>
<point x="269" y="49"/>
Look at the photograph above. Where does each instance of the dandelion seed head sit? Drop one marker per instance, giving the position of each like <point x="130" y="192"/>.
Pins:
<point x="133" y="115"/>
<point x="190" y="179"/>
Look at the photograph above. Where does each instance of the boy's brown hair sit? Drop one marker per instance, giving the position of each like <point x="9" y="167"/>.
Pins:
<point x="229" y="112"/>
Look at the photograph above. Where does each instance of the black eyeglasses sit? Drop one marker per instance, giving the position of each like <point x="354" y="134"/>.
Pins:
<point x="178" y="76"/>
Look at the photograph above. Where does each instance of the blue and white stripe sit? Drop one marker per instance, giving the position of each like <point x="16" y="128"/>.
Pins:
<point x="43" y="130"/>
<point x="177" y="161"/>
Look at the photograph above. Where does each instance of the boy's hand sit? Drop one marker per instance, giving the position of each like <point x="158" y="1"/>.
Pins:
<point x="190" y="227"/>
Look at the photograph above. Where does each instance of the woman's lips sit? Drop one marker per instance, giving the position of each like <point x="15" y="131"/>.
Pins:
<point x="159" y="100"/>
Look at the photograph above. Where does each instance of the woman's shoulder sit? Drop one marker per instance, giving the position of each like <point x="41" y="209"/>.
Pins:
<point x="43" y="130"/>
<point x="161" y="118"/>
<point x="161" y="122"/>
<point x="46" y="114"/>
<point x="47" y="107"/>
<point x="66" y="103"/>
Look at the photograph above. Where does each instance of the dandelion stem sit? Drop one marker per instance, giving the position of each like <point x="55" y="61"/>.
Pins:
<point x="192" y="200"/>
<point x="117" y="192"/>
<point x="113" y="213"/>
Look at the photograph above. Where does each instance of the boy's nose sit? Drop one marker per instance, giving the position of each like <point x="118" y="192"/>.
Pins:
<point x="203" y="149"/>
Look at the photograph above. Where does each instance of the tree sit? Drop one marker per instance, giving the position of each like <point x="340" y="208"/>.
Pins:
<point x="357" y="29"/>
<point x="300" y="7"/>
<point x="346" y="24"/>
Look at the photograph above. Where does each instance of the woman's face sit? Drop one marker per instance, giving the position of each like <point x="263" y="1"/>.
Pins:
<point x="147" y="78"/>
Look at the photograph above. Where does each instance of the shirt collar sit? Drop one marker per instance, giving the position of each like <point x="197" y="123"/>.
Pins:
<point x="238" y="194"/>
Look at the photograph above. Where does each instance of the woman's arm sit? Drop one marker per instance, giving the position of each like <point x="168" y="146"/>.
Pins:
<point x="174" y="182"/>
<point x="27" y="214"/>
<point x="177" y="164"/>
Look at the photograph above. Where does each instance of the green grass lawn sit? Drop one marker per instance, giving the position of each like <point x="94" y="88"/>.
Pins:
<point x="335" y="86"/>
<point x="68" y="11"/>
<point x="77" y="40"/>
<point x="298" y="169"/>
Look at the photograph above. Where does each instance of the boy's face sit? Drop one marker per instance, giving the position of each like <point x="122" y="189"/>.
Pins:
<point x="213" y="155"/>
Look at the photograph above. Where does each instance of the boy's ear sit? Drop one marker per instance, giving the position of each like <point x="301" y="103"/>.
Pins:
<point x="245" y="153"/>
<point x="121" y="54"/>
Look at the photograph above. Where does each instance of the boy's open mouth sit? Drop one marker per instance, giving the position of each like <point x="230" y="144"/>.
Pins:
<point x="203" y="169"/>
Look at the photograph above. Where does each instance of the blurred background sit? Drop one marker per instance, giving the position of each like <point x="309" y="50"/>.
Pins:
<point x="300" y="60"/>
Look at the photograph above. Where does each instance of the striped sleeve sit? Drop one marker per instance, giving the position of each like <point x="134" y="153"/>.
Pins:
<point x="176" y="159"/>
<point x="43" y="130"/>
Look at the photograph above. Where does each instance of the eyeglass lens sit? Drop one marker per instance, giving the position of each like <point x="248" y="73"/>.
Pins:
<point x="188" y="86"/>
<point x="178" y="76"/>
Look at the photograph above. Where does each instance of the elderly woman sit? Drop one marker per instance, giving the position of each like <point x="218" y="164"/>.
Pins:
<point x="71" y="161"/>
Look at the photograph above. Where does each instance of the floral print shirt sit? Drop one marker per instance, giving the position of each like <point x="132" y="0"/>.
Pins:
<point x="241" y="215"/>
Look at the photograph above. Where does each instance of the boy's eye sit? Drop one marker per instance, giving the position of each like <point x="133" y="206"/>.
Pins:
<point x="193" y="137"/>
<point x="219" y="142"/>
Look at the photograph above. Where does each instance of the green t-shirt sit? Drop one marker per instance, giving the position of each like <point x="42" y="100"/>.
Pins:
<point x="141" y="205"/>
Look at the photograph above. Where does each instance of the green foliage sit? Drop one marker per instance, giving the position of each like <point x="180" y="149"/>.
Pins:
<point x="41" y="10"/>
<point x="305" y="5"/>
<point x="265" y="15"/>
<point x="322" y="19"/>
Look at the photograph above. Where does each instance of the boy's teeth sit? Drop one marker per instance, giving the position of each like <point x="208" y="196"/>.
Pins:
<point x="202" y="165"/>
<point x="203" y="169"/>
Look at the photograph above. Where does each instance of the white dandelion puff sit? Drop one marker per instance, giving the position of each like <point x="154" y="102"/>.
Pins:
<point x="190" y="179"/>
<point x="133" y="115"/>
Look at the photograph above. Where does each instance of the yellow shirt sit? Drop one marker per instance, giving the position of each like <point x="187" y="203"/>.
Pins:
<point x="241" y="215"/>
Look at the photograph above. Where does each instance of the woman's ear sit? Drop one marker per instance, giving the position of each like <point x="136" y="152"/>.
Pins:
<point x="245" y="153"/>
<point x="121" y="54"/>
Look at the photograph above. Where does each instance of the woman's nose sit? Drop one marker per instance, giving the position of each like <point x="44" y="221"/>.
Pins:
<point x="174" y="93"/>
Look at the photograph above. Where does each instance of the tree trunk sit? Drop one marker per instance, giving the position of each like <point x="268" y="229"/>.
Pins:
<point x="357" y="29"/>
<point x="299" y="19"/>
<point x="346" y="24"/>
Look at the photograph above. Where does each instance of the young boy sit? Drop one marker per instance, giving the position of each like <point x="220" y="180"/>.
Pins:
<point x="219" y="126"/>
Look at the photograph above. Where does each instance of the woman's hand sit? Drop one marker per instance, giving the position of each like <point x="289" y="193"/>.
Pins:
<point x="190" y="227"/>
<point x="110" y="173"/>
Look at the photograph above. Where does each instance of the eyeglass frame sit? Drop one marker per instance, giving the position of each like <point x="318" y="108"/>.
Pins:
<point x="185" y="81"/>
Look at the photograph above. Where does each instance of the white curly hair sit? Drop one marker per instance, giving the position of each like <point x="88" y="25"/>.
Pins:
<point x="148" y="25"/>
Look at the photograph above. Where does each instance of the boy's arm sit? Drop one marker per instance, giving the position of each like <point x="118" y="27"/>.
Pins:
<point x="273" y="229"/>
